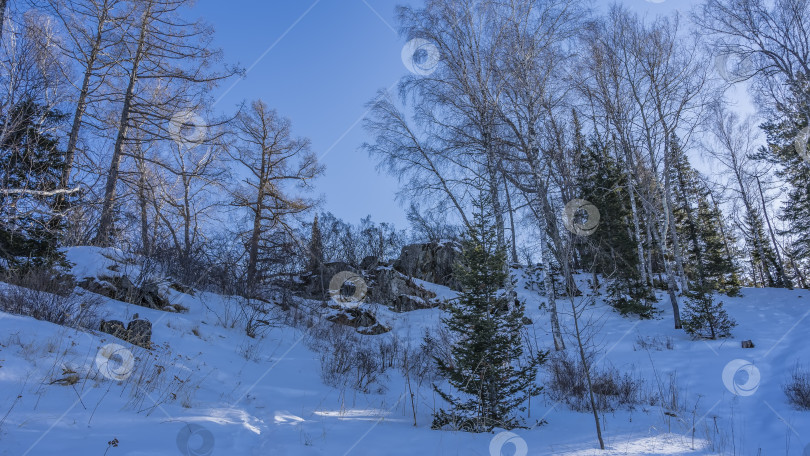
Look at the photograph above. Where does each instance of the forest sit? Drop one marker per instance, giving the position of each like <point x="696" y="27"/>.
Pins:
<point x="587" y="167"/>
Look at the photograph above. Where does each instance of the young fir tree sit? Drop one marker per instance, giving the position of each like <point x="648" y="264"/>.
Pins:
<point x="707" y="262"/>
<point x="705" y="318"/>
<point x="762" y="254"/>
<point x="315" y="249"/>
<point x="31" y="165"/>
<point x="489" y="378"/>
<point x="611" y="249"/>
<point x="719" y="269"/>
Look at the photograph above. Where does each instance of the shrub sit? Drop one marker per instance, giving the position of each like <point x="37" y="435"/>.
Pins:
<point x="611" y="388"/>
<point x="797" y="389"/>
<point x="45" y="295"/>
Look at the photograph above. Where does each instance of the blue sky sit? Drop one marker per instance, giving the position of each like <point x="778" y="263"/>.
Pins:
<point x="318" y="62"/>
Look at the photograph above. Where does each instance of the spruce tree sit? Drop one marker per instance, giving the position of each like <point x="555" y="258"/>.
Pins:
<point x="720" y="271"/>
<point x="31" y="165"/>
<point x="788" y="137"/>
<point x="707" y="263"/>
<point x="703" y="317"/>
<point x="611" y="249"/>
<point x="762" y="254"/>
<point x="315" y="249"/>
<point x="488" y="376"/>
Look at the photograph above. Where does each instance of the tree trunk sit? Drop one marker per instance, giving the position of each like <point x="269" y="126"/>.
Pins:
<point x="556" y="332"/>
<point x="81" y="102"/>
<point x="142" y="202"/>
<point x="513" y="247"/>
<point x="676" y="243"/>
<point x="629" y="165"/>
<point x="781" y="266"/>
<point x="587" y="369"/>
<point x="3" y="5"/>
<point x="105" y="226"/>
<point x="671" y="286"/>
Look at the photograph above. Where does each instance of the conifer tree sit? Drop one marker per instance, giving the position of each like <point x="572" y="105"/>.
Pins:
<point x="788" y="136"/>
<point x="30" y="169"/>
<point x="707" y="263"/>
<point x="611" y="249"/>
<point x="705" y="318"/>
<point x="315" y="248"/>
<point x="489" y="378"/>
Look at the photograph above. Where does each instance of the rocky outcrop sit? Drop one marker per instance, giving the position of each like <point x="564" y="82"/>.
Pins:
<point x="390" y="284"/>
<point x="398" y="291"/>
<point x="432" y="262"/>
<point x="122" y="288"/>
<point x="361" y="319"/>
<point x="316" y="286"/>
<point x="137" y="332"/>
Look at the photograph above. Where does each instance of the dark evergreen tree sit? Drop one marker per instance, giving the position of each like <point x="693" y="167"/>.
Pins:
<point x="704" y="318"/>
<point x="719" y="269"/>
<point x="488" y="375"/>
<point x="707" y="262"/>
<point x="762" y="255"/>
<point x="788" y="135"/>
<point x="611" y="249"/>
<point x="31" y="165"/>
<point x="315" y="249"/>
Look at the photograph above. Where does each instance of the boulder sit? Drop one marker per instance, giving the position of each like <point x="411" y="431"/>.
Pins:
<point x="122" y="288"/>
<point x="370" y="262"/>
<point x="361" y="319"/>
<point x="432" y="262"/>
<point x="102" y="288"/>
<point x="396" y="290"/>
<point x="115" y="328"/>
<point x="316" y="286"/>
<point x="139" y="332"/>
<point x="747" y="344"/>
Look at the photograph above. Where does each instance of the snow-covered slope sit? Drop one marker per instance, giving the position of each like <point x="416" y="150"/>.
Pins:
<point x="207" y="388"/>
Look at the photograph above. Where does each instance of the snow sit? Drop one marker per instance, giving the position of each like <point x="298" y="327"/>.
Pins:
<point x="210" y="389"/>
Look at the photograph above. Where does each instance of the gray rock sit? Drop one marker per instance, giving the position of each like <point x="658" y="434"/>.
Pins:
<point x="362" y="320"/>
<point x="398" y="291"/>
<point x="316" y="286"/>
<point x="115" y="328"/>
<point x="432" y="262"/>
<point x="139" y="332"/>
<point x="747" y="344"/>
<point x="122" y="288"/>
<point x="370" y="262"/>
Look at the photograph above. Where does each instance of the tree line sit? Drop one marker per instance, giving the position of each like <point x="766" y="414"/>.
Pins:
<point x="546" y="104"/>
<point x="109" y="137"/>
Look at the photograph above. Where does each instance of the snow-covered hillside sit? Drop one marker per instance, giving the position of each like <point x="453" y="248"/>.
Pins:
<point x="206" y="388"/>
